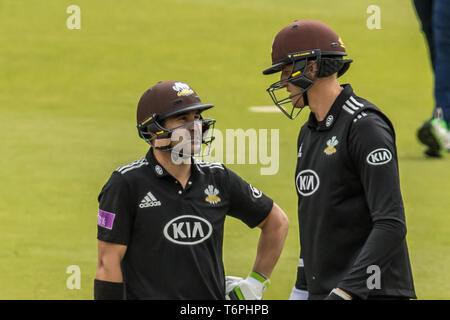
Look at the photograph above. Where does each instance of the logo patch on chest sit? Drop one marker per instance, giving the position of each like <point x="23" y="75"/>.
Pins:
<point x="149" y="201"/>
<point x="212" y="195"/>
<point x="307" y="182"/>
<point x="188" y="230"/>
<point x="331" y="144"/>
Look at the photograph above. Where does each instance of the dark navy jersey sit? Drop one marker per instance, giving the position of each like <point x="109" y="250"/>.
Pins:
<point x="173" y="235"/>
<point x="350" y="208"/>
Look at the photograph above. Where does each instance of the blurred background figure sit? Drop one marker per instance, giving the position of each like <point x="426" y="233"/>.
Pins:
<point x="435" y="18"/>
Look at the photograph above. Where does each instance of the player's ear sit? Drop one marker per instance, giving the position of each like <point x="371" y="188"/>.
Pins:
<point x="312" y="69"/>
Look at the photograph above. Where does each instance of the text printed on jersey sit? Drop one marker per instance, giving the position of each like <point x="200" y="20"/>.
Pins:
<point x="379" y="156"/>
<point x="188" y="230"/>
<point x="307" y="182"/>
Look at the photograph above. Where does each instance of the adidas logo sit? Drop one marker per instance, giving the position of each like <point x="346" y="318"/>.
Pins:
<point x="149" y="201"/>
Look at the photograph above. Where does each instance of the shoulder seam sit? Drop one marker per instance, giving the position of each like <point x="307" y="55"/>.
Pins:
<point x="351" y="105"/>
<point x="133" y="165"/>
<point x="203" y="164"/>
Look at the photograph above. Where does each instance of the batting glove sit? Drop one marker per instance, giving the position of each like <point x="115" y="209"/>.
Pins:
<point x="298" y="294"/>
<point x="336" y="294"/>
<point x="230" y="283"/>
<point x="251" y="288"/>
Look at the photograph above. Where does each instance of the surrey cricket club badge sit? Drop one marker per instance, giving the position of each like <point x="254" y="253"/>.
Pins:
<point x="182" y="89"/>
<point x="332" y="143"/>
<point x="212" y="193"/>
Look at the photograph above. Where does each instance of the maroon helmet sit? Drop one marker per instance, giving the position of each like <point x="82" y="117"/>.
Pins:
<point x="301" y="42"/>
<point x="163" y="100"/>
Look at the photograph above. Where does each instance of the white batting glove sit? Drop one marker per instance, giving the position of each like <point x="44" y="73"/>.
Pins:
<point x="298" y="294"/>
<point x="230" y="283"/>
<point x="250" y="288"/>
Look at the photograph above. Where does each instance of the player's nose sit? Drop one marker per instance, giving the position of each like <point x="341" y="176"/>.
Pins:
<point x="284" y="83"/>
<point x="196" y="126"/>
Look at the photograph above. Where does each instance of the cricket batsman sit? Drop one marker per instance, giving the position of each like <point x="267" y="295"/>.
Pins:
<point x="161" y="218"/>
<point x="350" y="209"/>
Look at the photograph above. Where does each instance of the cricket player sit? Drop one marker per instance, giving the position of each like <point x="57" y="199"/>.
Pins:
<point x="350" y="208"/>
<point x="161" y="218"/>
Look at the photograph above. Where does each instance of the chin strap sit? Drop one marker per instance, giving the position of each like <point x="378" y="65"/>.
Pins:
<point x="305" y="99"/>
<point x="165" y="148"/>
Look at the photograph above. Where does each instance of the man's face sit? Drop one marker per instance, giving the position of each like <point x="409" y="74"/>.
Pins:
<point x="295" y="92"/>
<point x="187" y="132"/>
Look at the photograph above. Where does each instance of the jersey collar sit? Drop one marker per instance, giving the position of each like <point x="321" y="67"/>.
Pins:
<point x="154" y="165"/>
<point x="332" y="115"/>
<point x="159" y="170"/>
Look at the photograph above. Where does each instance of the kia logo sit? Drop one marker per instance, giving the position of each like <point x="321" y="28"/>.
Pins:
<point x="307" y="182"/>
<point x="379" y="156"/>
<point x="187" y="230"/>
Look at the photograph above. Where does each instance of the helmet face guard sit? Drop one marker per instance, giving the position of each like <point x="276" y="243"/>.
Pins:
<point x="186" y="145"/>
<point x="298" y="77"/>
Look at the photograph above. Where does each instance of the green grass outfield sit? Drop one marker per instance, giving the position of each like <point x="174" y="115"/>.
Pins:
<point x="67" y="113"/>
